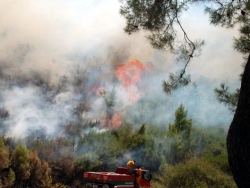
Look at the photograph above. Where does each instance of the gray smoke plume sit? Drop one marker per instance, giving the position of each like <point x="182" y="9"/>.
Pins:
<point x="58" y="62"/>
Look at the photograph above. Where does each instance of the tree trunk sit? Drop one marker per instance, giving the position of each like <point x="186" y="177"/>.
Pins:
<point x="238" y="138"/>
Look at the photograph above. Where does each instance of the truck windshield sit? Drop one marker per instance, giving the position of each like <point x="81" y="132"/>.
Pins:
<point x="147" y="176"/>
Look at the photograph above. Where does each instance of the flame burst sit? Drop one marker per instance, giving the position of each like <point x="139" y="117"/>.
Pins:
<point x="129" y="75"/>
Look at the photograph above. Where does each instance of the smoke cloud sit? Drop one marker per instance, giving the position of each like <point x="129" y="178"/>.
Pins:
<point x="58" y="61"/>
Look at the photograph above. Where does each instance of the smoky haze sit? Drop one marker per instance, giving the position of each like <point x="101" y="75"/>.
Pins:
<point x="58" y="61"/>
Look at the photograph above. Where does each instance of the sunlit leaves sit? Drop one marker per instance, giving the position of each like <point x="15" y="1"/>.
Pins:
<point x="195" y="173"/>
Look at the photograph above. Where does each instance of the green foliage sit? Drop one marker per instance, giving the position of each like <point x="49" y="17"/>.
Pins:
<point x="163" y="165"/>
<point x="178" y="157"/>
<point x="181" y="124"/>
<point x="4" y="155"/>
<point x="59" y="154"/>
<point x="194" y="173"/>
<point x="20" y="164"/>
<point x="152" y="151"/>
<point x="7" y="176"/>
<point x="46" y="173"/>
<point x="161" y="18"/>
<point x="176" y="80"/>
<point x="155" y="184"/>
<point x="27" y="170"/>
<point x="9" y="142"/>
<point x="242" y="44"/>
<point x="101" y="151"/>
<point x="128" y="138"/>
<point x="142" y="129"/>
<point x="99" y="146"/>
<point x="51" y="150"/>
<point x="179" y="134"/>
<point x="218" y="157"/>
<point x="11" y="178"/>
<point x="158" y="17"/>
<point x="229" y="99"/>
<point x="215" y="147"/>
<point x="88" y="162"/>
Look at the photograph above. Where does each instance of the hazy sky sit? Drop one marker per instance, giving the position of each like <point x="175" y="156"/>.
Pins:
<point x="57" y="29"/>
<point x="53" y="38"/>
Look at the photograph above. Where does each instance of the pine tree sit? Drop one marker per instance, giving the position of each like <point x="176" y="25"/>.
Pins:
<point x="179" y="134"/>
<point x="20" y="164"/>
<point x="4" y="155"/>
<point x="7" y="176"/>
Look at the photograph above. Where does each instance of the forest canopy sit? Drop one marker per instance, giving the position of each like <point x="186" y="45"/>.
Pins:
<point x="167" y="152"/>
<point x="79" y="94"/>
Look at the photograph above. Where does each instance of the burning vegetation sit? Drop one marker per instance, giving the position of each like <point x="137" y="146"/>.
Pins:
<point x="94" y="119"/>
<point x="52" y="132"/>
<point x="129" y="75"/>
<point x="168" y="152"/>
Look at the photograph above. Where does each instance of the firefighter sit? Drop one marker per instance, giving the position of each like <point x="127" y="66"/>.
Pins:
<point x="130" y="165"/>
<point x="138" y="174"/>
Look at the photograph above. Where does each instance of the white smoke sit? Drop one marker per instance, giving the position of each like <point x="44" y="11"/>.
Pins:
<point x="48" y="46"/>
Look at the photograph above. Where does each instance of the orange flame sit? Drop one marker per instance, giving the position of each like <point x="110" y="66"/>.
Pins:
<point x="113" y="120"/>
<point x="129" y="75"/>
<point x="117" y="119"/>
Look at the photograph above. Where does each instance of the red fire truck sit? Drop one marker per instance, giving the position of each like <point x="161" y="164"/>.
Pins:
<point x="121" y="178"/>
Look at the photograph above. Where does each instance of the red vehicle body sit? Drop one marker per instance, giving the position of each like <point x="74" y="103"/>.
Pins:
<point x="119" y="179"/>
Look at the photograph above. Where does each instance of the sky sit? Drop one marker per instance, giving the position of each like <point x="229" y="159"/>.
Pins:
<point x="54" y="40"/>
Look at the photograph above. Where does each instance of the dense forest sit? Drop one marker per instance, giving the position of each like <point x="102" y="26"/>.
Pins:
<point x="178" y="155"/>
<point x="78" y="94"/>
